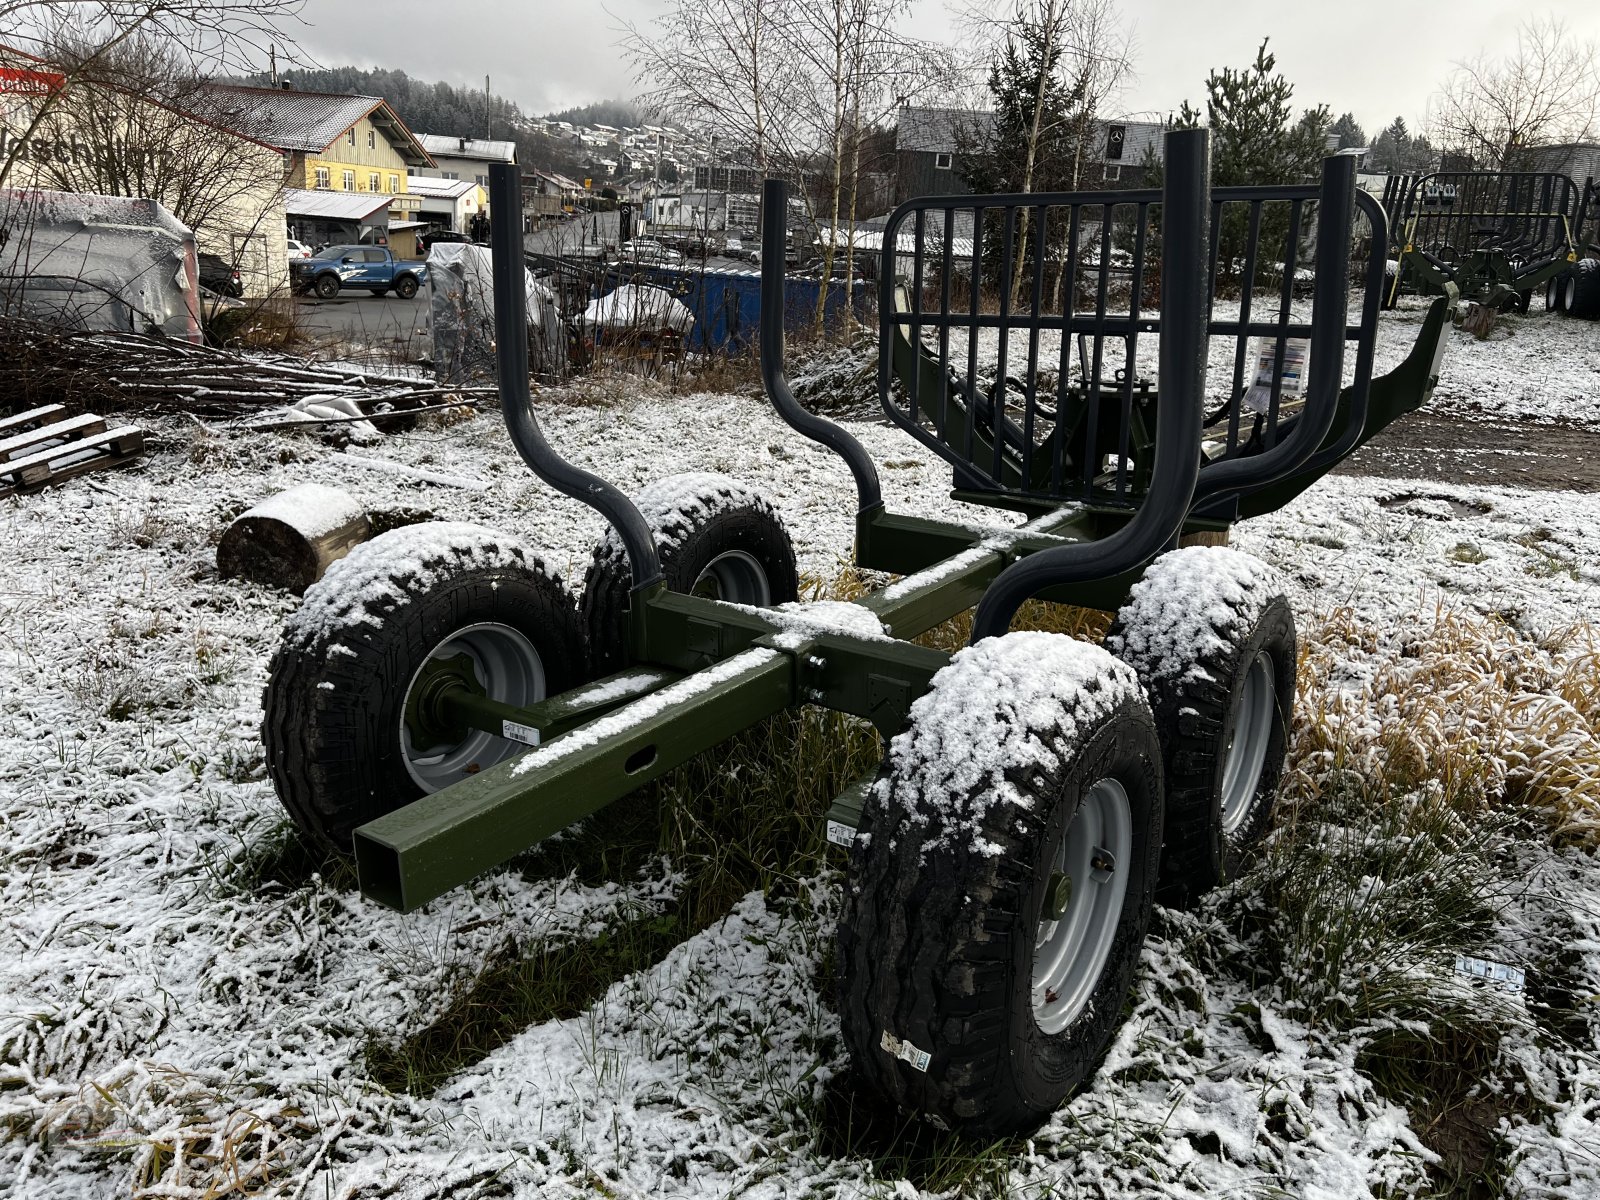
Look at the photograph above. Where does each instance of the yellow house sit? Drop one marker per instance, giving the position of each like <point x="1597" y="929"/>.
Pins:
<point x="333" y="143"/>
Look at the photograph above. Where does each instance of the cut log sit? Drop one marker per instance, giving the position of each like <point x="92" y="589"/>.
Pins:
<point x="291" y="539"/>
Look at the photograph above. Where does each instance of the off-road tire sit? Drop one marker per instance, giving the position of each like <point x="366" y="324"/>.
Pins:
<point x="1193" y="628"/>
<point x="326" y="286"/>
<point x="1555" y="293"/>
<point x="1583" y="289"/>
<point x="336" y="687"/>
<point x="948" y="876"/>
<point x="697" y="518"/>
<point x="405" y="287"/>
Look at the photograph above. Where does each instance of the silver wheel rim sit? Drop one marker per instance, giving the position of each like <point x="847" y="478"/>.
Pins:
<point x="1095" y="855"/>
<point x="509" y="670"/>
<point x="1246" y="751"/>
<point x="736" y="578"/>
<point x="1572" y="290"/>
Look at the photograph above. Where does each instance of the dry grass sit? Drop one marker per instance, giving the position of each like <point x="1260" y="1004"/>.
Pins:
<point x="1463" y="702"/>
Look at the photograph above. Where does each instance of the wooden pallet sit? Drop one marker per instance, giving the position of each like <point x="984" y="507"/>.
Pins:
<point x="44" y="446"/>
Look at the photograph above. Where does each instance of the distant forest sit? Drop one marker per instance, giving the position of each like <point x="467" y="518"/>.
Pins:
<point x="461" y="112"/>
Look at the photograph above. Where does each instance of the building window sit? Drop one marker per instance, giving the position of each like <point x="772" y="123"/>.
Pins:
<point x="349" y="181"/>
<point x="450" y="175"/>
<point x="483" y="181"/>
<point x="394" y="183"/>
<point x="322" y="178"/>
<point x="410" y="171"/>
<point x="941" y="162"/>
<point x="350" y="135"/>
<point x="373" y="183"/>
<point x="1113" y="172"/>
<point x="372" y="140"/>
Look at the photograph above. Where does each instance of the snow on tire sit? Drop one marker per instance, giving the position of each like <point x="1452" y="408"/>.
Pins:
<point x="715" y="537"/>
<point x="1001" y="883"/>
<point x="1210" y="633"/>
<point x="335" y="726"/>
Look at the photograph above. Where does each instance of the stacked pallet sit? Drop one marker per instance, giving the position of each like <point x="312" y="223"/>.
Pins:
<point x="45" y="445"/>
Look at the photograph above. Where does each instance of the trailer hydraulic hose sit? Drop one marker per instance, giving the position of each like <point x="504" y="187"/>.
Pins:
<point x="516" y="400"/>
<point x="774" y="238"/>
<point x="1185" y="218"/>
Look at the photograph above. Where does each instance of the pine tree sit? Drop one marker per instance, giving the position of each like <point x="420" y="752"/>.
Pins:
<point x="1256" y="140"/>
<point x="1351" y="135"/>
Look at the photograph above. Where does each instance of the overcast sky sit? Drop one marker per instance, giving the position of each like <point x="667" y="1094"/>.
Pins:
<point x="1376" y="58"/>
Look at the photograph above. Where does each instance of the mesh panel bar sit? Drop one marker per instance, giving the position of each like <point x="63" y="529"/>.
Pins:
<point x="1069" y="304"/>
<point x="1241" y="351"/>
<point x="1291" y="254"/>
<point x="946" y="269"/>
<point x="913" y="384"/>
<point x="1130" y="360"/>
<point x="997" y="397"/>
<point x="1091" y="425"/>
<point x="1031" y="397"/>
<point x="974" y="291"/>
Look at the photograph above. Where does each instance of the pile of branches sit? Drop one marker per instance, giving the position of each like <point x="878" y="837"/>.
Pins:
<point x="125" y="372"/>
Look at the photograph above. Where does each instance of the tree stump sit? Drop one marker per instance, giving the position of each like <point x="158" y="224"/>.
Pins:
<point x="1205" y="537"/>
<point x="291" y="539"/>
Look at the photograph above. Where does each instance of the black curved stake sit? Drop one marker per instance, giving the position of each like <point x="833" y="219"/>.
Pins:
<point x="516" y="401"/>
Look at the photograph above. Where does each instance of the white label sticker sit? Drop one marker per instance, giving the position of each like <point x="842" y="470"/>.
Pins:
<point x="526" y="734"/>
<point x="841" y="834"/>
<point x="906" y="1052"/>
<point x="1511" y="978"/>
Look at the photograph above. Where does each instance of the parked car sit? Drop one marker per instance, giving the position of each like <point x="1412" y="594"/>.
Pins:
<point x="373" y="268"/>
<point x="298" y="249"/>
<point x="733" y="247"/>
<point x="650" y="253"/>
<point x="218" y="275"/>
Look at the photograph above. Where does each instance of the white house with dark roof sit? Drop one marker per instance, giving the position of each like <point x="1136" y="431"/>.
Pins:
<point x="466" y="159"/>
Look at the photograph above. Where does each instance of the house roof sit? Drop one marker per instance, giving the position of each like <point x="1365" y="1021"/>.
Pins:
<point x="445" y="189"/>
<point x="312" y="121"/>
<point x="442" y="145"/>
<point x="935" y="129"/>
<point x="336" y="206"/>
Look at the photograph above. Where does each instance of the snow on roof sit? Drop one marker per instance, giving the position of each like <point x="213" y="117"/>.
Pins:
<point x="337" y="206"/>
<point x="311" y="121"/>
<point x="443" y="145"/>
<point x="448" y="189"/>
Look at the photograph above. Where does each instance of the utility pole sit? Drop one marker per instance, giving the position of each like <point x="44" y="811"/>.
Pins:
<point x="488" y="111"/>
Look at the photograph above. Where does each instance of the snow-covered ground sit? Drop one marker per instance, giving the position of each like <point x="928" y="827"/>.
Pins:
<point x="166" y="1028"/>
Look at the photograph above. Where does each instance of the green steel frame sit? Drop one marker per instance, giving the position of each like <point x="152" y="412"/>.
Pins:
<point x="705" y="671"/>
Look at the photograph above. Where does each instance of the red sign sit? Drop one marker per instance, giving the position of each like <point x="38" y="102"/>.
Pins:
<point x="30" y="83"/>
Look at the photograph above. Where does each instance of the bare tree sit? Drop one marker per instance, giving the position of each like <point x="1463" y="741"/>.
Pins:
<point x="1546" y="90"/>
<point x="1080" y="56"/>
<point x="860" y="65"/>
<point x="210" y="35"/>
<point x="140" y="122"/>
<point x="724" y="65"/>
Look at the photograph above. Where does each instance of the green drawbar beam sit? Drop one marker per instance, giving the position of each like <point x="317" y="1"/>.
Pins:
<point x="407" y="857"/>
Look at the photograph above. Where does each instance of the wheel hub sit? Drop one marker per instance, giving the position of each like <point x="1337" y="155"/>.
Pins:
<point x="735" y="577"/>
<point x="425" y="714"/>
<point x="1082" y="906"/>
<point x="489" y="659"/>
<point x="1246" y="751"/>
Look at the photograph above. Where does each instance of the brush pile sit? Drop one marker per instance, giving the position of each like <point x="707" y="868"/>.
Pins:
<point x="126" y="372"/>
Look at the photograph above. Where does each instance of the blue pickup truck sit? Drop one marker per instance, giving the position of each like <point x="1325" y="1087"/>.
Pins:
<point x="369" y="267"/>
